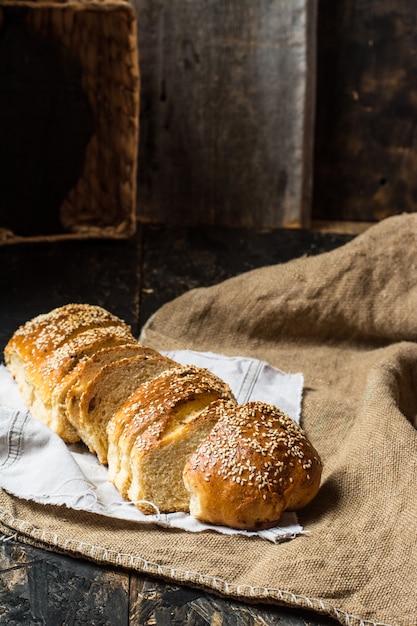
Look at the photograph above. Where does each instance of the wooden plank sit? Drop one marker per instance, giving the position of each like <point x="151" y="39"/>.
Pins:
<point x="177" y="259"/>
<point x="227" y="108"/>
<point x="340" y="226"/>
<point x="39" y="587"/>
<point x="155" y="602"/>
<point x="365" y="156"/>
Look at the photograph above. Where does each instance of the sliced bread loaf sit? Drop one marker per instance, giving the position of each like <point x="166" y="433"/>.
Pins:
<point x="37" y="373"/>
<point x="156" y="430"/>
<point x="76" y="380"/>
<point x="104" y="395"/>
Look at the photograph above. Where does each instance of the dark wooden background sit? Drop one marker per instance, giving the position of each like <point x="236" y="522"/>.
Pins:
<point x="235" y="94"/>
<point x="227" y="107"/>
<point x="365" y="134"/>
<point x="261" y="115"/>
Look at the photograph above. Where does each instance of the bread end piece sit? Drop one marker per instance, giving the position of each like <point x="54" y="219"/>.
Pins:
<point x="44" y="349"/>
<point x="254" y="464"/>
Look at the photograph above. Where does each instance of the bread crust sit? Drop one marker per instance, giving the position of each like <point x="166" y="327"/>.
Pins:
<point x="44" y="350"/>
<point x="106" y="393"/>
<point x="44" y="333"/>
<point x="157" y="413"/>
<point x="254" y="464"/>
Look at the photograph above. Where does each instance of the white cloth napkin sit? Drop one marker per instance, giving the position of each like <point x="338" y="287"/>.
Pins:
<point x="35" y="464"/>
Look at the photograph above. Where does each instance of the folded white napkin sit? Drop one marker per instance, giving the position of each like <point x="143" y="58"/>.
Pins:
<point x="35" y="464"/>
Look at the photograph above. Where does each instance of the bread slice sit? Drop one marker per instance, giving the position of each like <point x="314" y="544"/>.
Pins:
<point x="34" y="341"/>
<point x="105" y="394"/>
<point x="39" y="369"/>
<point x="76" y="380"/>
<point x="155" y="432"/>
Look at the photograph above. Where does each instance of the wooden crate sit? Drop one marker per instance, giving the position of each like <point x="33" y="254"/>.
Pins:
<point x="69" y="119"/>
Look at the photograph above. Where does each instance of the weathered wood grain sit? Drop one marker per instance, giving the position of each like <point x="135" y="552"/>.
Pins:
<point x="38" y="587"/>
<point x="155" y="603"/>
<point x="366" y="140"/>
<point x="227" y="106"/>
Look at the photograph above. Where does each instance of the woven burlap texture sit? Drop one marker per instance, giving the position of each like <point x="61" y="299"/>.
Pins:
<point x="346" y="319"/>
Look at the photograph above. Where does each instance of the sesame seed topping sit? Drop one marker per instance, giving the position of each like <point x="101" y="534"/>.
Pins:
<point x="253" y="445"/>
<point x="144" y="416"/>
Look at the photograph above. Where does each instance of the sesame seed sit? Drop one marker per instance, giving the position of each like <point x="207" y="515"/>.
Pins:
<point x="252" y="445"/>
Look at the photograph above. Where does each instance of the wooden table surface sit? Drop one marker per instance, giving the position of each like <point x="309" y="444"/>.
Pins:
<point x="132" y="279"/>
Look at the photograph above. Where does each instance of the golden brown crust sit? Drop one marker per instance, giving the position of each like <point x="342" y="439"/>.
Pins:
<point x="47" y="331"/>
<point x="49" y="371"/>
<point x="171" y="399"/>
<point x="151" y="413"/>
<point x="44" y="350"/>
<point x="255" y="463"/>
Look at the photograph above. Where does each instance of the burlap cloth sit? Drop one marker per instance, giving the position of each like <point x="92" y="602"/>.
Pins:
<point x="347" y="319"/>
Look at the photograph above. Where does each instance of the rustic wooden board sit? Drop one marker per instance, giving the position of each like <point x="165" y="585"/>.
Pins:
<point x="38" y="587"/>
<point x="227" y="108"/>
<point x="155" y="603"/>
<point x="366" y="142"/>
